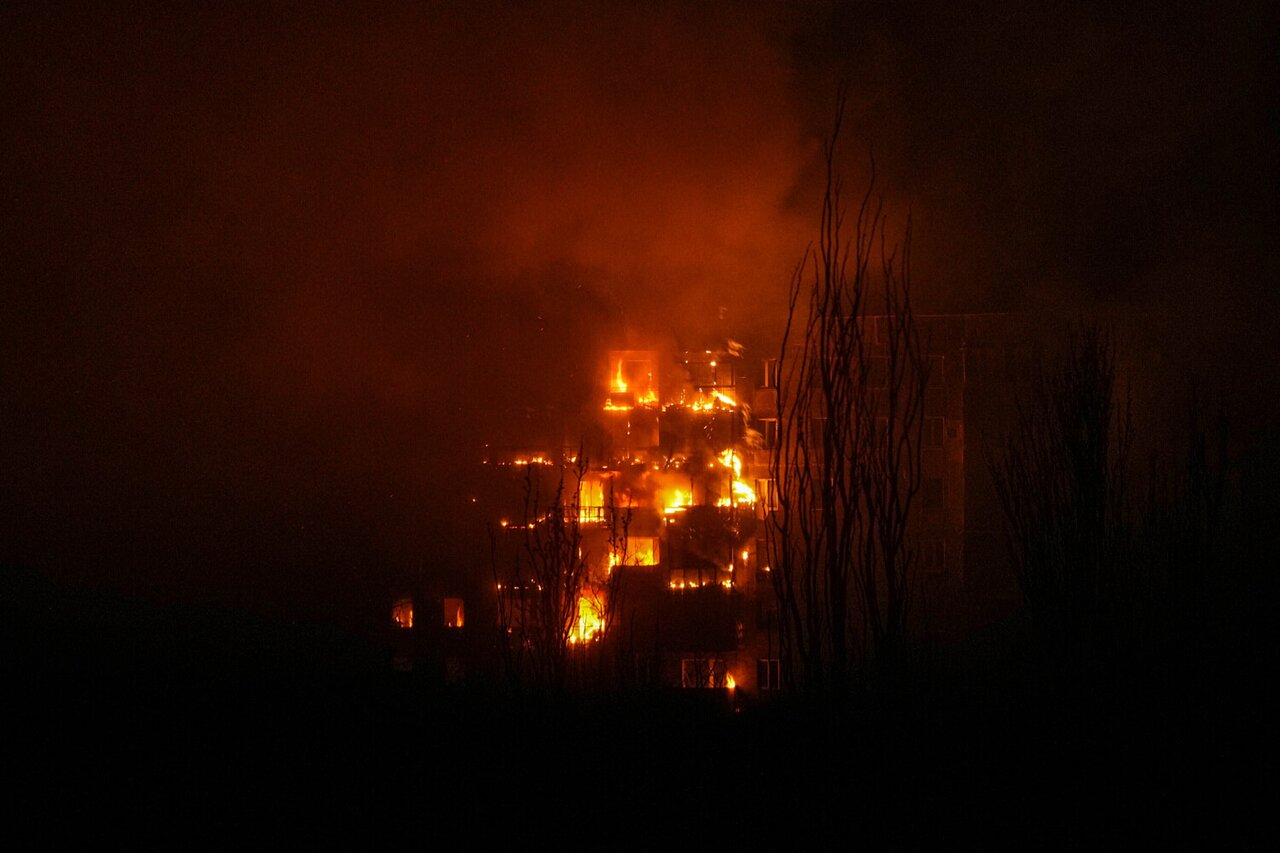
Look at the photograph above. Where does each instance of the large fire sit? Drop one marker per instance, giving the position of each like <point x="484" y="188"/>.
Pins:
<point x="648" y="465"/>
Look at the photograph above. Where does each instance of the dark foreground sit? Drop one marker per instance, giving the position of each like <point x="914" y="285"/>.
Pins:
<point x="132" y="726"/>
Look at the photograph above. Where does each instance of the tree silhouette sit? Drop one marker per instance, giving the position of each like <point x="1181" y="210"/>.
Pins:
<point x="1062" y="480"/>
<point x="847" y="459"/>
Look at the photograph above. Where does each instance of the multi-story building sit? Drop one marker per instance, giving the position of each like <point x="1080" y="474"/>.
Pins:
<point x="666" y="476"/>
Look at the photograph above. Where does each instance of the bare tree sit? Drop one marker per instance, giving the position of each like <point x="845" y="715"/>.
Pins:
<point x="846" y="462"/>
<point x="1062" y="481"/>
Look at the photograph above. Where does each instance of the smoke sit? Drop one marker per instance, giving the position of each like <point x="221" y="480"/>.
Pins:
<point x="278" y="273"/>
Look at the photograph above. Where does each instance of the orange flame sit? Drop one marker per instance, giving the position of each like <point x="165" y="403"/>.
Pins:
<point x="678" y="500"/>
<point x="741" y="492"/>
<point x="590" y="622"/>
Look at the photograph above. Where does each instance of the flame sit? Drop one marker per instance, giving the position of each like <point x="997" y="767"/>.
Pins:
<point x="712" y="400"/>
<point x="740" y="491"/>
<point x="617" y="386"/>
<point x="635" y="551"/>
<point x="725" y="399"/>
<point x="619" y="383"/>
<point x="591" y="500"/>
<point x="730" y="459"/>
<point x="644" y="393"/>
<point x="644" y="551"/>
<point x="729" y="682"/>
<point x="453" y="612"/>
<point x="590" y="622"/>
<point x="688" y="584"/>
<point x="677" y="501"/>
<point x="533" y="460"/>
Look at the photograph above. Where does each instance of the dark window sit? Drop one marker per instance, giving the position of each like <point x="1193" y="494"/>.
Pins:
<point x="937" y="368"/>
<point x="770" y="434"/>
<point x="931" y="493"/>
<point x="933" y="432"/>
<point x="766" y="613"/>
<point x="878" y="373"/>
<point x="646" y="669"/>
<point x="933" y="556"/>
<point x="766" y="497"/>
<point x="768" y="674"/>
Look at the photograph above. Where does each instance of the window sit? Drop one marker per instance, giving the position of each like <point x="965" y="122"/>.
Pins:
<point x="937" y="368"/>
<point x="931" y="493"/>
<point x="766" y="497"/>
<point x="703" y="672"/>
<point x="641" y="551"/>
<point x="768" y="674"/>
<point x="763" y="569"/>
<point x="933" y="555"/>
<point x="882" y="331"/>
<point x="453" y="613"/>
<point x="933" y="432"/>
<point x="691" y="578"/>
<point x="877" y="372"/>
<point x="591" y="501"/>
<point x="402" y="613"/>
<point x="646" y="669"/>
<point x="770" y="373"/>
<point x="766" y="613"/>
<point x="770" y="434"/>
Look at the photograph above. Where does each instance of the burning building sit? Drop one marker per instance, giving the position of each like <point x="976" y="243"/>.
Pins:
<point x="665" y="471"/>
<point x="648" y="510"/>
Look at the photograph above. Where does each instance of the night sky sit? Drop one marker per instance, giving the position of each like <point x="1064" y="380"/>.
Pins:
<point x="272" y="273"/>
